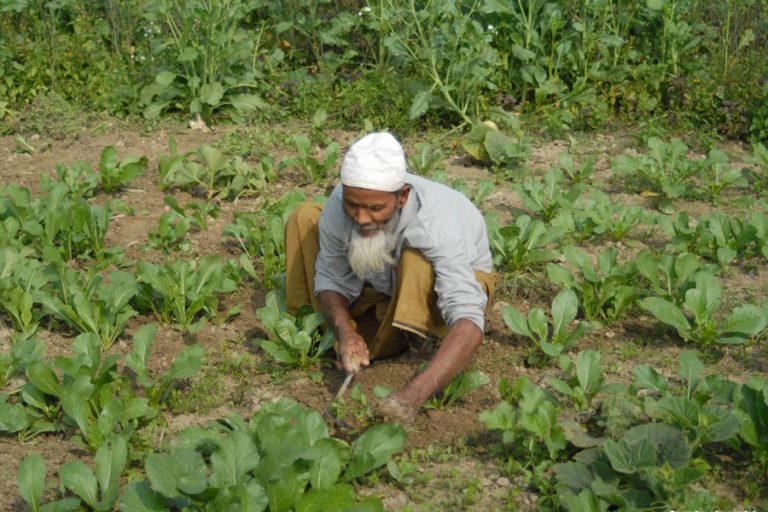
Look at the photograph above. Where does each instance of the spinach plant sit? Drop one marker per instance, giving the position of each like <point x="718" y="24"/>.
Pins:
<point x="170" y="235"/>
<point x="669" y="276"/>
<point x="98" y="491"/>
<point x="14" y="361"/>
<point x="585" y="378"/>
<point x="21" y="279"/>
<point x="295" y="341"/>
<point x="459" y="387"/>
<point x="716" y="176"/>
<point x="90" y="303"/>
<point x="702" y="303"/>
<point x="524" y="244"/>
<point x="530" y="427"/>
<point x="157" y="388"/>
<point x="115" y="173"/>
<point x="546" y="197"/>
<point x="314" y="169"/>
<point x="665" y="170"/>
<point x="208" y="172"/>
<point x="261" y="235"/>
<point x="606" y="291"/>
<point x="179" y="292"/>
<point x="562" y="336"/>
<point x="283" y="459"/>
<point x="426" y="159"/>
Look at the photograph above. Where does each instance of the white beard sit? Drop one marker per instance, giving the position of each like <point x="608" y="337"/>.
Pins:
<point x="370" y="255"/>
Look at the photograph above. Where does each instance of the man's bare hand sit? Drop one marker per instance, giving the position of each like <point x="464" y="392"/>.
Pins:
<point x="353" y="352"/>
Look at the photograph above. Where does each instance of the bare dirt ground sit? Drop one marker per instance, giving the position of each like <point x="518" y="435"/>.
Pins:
<point x="456" y="470"/>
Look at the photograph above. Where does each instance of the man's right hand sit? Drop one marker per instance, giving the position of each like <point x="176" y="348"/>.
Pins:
<point x="353" y="352"/>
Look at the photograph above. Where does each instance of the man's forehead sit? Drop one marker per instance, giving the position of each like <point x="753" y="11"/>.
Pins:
<point x="357" y="195"/>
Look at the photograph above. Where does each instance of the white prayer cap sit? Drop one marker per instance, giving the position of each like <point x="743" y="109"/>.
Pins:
<point x="375" y="162"/>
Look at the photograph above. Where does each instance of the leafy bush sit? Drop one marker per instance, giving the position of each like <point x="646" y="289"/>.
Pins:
<point x="282" y="459"/>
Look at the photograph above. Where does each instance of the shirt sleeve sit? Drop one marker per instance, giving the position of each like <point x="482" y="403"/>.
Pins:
<point x="332" y="269"/>
<point x="459" y="295"/>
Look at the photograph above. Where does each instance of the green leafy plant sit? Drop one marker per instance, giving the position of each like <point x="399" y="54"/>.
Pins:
<point x="261" y="236"/>
<point x="179" y="292"/>
<point x="206" y="67"/>
<point x="574" y="173"/>
<point x="445" y="81"/>
<point x="157" y="388"/>
<point x="664" y="171"/>
<point x="14" y="361"/>
<point x="283" y="459"/>
<point x="80" y="181"/>
<point x="606" y="291"/>
<point x="702" y="302"/>
<point x="524" y="244"/>
<point x="22" y="279"/>
<point x="170" y="235"/>
<point x="91" y="304"/>
<point x="669" y="276"/>
<point x="486" y="143"/>
<point x="208" y="172"/>
<point x="425" y="159"/>
<point x="530" y="427"/>
<point x="562" y="335"/>
<point x="716" y="176"/>
<point x="585" y="378"/>
<point x="97" y="490"/>
<point x="459" y="387"/>
<point x="596" y="216"/>
<point x="546" y="197"/>
<point x="296" y="341"/>
<point x="114" y="173"/>
<point x="314" y="169"/>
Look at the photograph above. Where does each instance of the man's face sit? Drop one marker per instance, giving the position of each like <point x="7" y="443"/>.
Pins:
<point x="370" y="210"/>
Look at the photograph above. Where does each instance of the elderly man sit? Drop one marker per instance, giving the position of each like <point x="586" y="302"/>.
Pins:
<point x="393" y="256"/>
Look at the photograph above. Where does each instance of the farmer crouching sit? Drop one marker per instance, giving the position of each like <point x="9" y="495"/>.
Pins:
<point x="391" y="257"/>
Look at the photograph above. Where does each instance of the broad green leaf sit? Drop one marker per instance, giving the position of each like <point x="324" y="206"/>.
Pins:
<point x="43" y="378"/>
<point x="139" y="497"/>
<point x="186" y="365"/>
<point x="31" y="480"/>
<point x="328" y="457"/>
<point x="141" y="352"/>
<point x="515" y="320"/>
<point x="537" y="321"/>
<point x="183" y="471"/>
<point x="246" y="102"/>
<point x="630" y="456"/>
<point x="373" y="448"/>
<point x="110" y="463"/>
<point x="420" y="104"/>
<point x="746" y="319"/>
<point x="648" y="378"/>
<point x="589" y="370"/>
<point x="564" y="308"/>
<point x="666" y="311"/>
<point x="236" y="456"/>
<point x="690" y="369"/>
<point x="211" y="93"/>
<point x="76" y="477"/>
<point x="337" y="497"/>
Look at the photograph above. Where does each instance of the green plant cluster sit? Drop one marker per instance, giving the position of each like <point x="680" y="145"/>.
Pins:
<point x="394" y="63"/>
<point x="639" y="445"/>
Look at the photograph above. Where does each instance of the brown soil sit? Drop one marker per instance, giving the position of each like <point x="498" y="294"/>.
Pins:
<point x="502" y="355"/>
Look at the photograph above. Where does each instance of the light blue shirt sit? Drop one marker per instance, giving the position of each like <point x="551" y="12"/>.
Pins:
<point x="438" y="221"/>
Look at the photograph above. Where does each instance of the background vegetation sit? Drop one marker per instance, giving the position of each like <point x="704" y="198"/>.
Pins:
<point x="404" y="65"/>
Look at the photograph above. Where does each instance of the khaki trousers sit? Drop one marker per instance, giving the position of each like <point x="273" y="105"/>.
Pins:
<point x="379" y="318"/>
